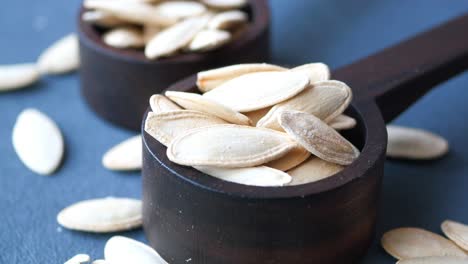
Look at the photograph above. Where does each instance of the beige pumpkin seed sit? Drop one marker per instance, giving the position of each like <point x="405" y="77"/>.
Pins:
<point x="317" y="72"/>
<point x="38" y="141"/>
<point x="102" y="19"/>
<point x="102" y="215"/>
<point x="78" y="259"/>
<point x="192" y="101"/>
<point x="131" y="11"/>
<point x="411" y="143"/>
<point x="256" y="115"/>
<point x="457" y="232"/>
<point x="18" y="76"/>
<point x="166" y="126"/>
<point x="409" y="242"/>
<point x="292" y="159"/>
<point x="180" y="9"/>
<point x="342" y="122"/>
<point x="318" y="138"/>
<point x="124" y="37"/>
<point x="208" y="80"/>
<point x="61" y="57"/>
<point x="229" y="146"/>
<point x="225" y="4"/>
<point x="209" y="39"/>
<point x="254" y="176"/>
<point x="228" y="20"/>
<point x="258" y="90"/>
<point x="125" y="156"/>
<point x="149" y="32"/>
<point x="123" y="250"/>
<point x="434" y="260"/>
<point x="160" y="103"/>
<point x="312" y="170"/>
<point x="325" y="100"/>
<point x="172" y="39"/>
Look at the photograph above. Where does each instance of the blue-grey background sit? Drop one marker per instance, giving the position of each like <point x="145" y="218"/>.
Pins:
<point x="332" y="31"/>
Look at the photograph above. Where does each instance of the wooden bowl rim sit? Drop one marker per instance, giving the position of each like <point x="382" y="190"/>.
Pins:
<point x="259" y="24"/>
<point x="375" y="141"/>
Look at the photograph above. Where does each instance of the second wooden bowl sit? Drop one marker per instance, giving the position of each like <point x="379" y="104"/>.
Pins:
<point x="117" y="83"/>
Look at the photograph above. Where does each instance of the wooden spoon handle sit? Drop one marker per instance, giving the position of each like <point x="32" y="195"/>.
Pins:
<point x="397" y="76"/>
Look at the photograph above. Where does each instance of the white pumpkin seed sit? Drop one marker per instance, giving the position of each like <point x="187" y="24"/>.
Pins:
<point x="457" y="232"/>
<point x="192" y="101"/>
<point x="78" y="259"/>
<point x="225" y="4"/>
<point x="102" y="19"/>
<point x="318" y="138"/>
<point x="61" y="57"/>
<point x="175" y="37"/>
<point x="17" y="76"/>
<point x="38" y="141"/>
<point x="254" y="176"/>
<point x="411" y="143"/>
<point x="99" y="261"/>
<point x="209" y="39"/>
<point x="124" y="37"/>
<point x="256" y="115"/>
<point x="102" y="215"/>
<point x="208" y="80"/>
<point x="166" y="126"/>
<point x="228" y="20"/>
<point x="325" y="100"/>
<point x="409" y="242"/>
<point x="131" y="11"/>
<point x="292" y="159"/>
<point x="317" y="72"/>
<point x="229" y="146"/>
<point x="342" y="122"/>
<point x="434" y="260"/>
<point x="125" y="156"/>
<point x="312" y="170"/>
<point x="180" y="9"/>
<point x="123" y="250"/>
<point x="159" y="103"/>
<point x="258" y="90"/>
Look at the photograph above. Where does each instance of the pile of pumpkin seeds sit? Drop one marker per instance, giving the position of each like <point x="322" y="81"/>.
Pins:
<point x="167" y="28"/>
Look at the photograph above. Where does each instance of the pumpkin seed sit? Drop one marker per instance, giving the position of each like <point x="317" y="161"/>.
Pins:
<point x="312" y="170"/>
<point x="124" y="37"/>
<point x="102" y="215"/>
<point x="256" y="115"/>
<point x="292" y="159"/>
<point x="99" y="261"/>
<point x="410" y="242"/>
<point x="61" y="57"/>
<point x="258" y="90"/>
<point x="17" y="76"/>
<point x="192" y="101"/>
<point x="125" y="156"/>
<point x="318" y="138"/>
<point x="228" y="20"/>
<point x="175" y="37"/>
<point x="208" y="80"/>
<point x="229" y="146"/>
<point x="160" y="103"/>
<point x="317" y="72"/>
<point x="209" y="39"/>
<point x="325" y="100"/>
<point x="411" y="143"/>
<point x="343" y="122"/>
<point x="78" y="259"/>
<point x="102" y="19"/>
<point x="225" y="4"/>
<point x="123" y="250"/>
<point x="254" y="176"/>
<point x="434" y="260"/>
<point x="180" y="9"/>
<point x="38" y="141"/>
<point x="165" y="126"/>
<point x="457" y="232"/>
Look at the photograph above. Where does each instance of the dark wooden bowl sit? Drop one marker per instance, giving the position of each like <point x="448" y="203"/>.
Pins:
<point x="117" y="83"/>
<point x="190" y="216"/>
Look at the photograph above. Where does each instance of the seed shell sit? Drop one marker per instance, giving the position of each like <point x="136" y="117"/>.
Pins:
<point x="457" y="232"/>
<point x="125" y="156"/>
<point x="13" y="77"/>
<point x="124" y="37"/>
<point x="434" y="260"/>
<point x="61" y="57"/>
<point x="123" y="250"/>
<point x="160" y="103"/>
<point x="292" y="159"/>
<point x="312" y="170"/>
<point x="228" y="20"/>
<point x="209" y="39"/>
<point x="343" y="122"/>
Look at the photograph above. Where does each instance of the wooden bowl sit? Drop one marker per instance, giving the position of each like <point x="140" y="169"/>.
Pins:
<point x="117" y="83"/>
<point x="190" y="216"/>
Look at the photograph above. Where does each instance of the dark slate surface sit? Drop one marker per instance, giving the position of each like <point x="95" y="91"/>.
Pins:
<point x="336" y="32"/>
